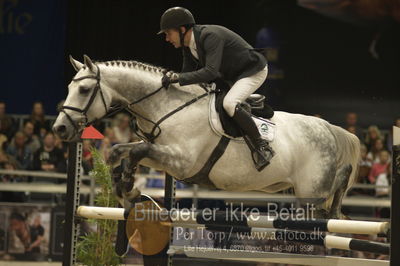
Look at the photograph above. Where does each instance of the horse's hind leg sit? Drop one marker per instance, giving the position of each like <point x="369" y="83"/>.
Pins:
<point x="339" y="189"/>
<point x="326" y="190"/>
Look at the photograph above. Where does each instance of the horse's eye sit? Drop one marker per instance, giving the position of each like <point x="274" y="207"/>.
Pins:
<point x="84" y="90"/>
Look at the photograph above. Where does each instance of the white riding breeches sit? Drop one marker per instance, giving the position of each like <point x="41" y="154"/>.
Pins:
<point x="242" y="89"/>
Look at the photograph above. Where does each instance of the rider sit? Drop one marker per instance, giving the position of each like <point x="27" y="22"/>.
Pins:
<point x="211" y="52"/>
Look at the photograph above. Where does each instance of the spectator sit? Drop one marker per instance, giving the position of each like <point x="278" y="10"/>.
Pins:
<point x="38" y="119"/>
<point x="7" y="123"/>
<point x="3" y="142"/>
<point x="87" y="160"/>
<point x="352" y="126"/>
<point x="397" y="122"/>
<point x="8" y="163"/>
<point x="43" y="131"/>
<point x="364" y="167"/>
<point x="49" y="157"/>
<point x="352" y="130"/>
<point x="110" y="134"/>
<point x="365" y="163"/>
<point x="105" y="148"/>
<point x="30" y="236"/>
<point x="382" y="190"/>
<point x="106" y="144"/>
<point x="20" y="151"/>
<point x="379" y="168"/>
<point x="121" y="127"/>
<point x="373" y="134"/>
<point x="32" y="140"/>
<point x="389" y="141"/>
<point x="383" y="180"/>
<point x="37" y="235"/>
<point x="376" y="148"/>
<point x="61" y="145"/>
<point x="19" y="226"/>
<point x="9" y="196"/>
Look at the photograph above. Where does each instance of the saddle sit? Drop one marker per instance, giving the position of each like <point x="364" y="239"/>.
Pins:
<point x="223" y="124"/>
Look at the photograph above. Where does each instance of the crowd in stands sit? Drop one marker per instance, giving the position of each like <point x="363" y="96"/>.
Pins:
<point x="375" y="162"/>
<point x="33" y="146"/>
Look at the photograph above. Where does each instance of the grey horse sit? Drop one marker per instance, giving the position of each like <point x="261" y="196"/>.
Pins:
<point x="315" y="158"/>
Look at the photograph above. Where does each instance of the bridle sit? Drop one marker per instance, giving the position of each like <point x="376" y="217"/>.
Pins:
<point x="150" y="137"/>
<point x="85" y="121"/>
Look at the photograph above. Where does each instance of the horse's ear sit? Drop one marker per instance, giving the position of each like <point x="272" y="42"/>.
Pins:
<point x="76" y="64"/>
<point x="88" y="62"/>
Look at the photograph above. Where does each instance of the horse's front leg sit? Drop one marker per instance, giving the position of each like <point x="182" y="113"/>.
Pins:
<point x="116" y="160"/>
<point x="162" y="157"/>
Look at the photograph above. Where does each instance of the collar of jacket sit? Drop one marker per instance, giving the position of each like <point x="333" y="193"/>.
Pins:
<point x="200" y="52"/>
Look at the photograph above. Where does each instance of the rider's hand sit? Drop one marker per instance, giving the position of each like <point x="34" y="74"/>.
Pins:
<point x="169" y="78"/>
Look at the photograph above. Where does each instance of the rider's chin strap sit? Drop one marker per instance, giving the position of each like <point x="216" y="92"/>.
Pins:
<point x="182" y="37"/>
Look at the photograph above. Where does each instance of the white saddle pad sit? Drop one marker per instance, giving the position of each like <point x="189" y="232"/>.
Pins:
<point x="266" y="127"/>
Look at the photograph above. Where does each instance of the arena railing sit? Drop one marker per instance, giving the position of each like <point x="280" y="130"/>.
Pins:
<point x="193" y="192"/>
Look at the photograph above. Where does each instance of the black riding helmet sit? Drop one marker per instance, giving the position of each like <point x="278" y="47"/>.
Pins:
<point x="175" y="17"/>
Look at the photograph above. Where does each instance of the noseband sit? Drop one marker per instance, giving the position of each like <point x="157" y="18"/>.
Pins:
<point x="85" y="121"/>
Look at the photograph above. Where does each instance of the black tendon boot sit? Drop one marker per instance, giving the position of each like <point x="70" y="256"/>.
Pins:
<point x="262" y="153"/>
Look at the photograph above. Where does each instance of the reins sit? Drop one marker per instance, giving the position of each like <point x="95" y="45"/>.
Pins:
<point x="150" y="137"/>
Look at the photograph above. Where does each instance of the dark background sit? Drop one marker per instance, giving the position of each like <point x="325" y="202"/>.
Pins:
<point x="327" y="66"/>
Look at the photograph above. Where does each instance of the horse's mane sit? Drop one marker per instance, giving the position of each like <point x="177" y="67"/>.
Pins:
<point x="134" y="64"/>
<point x="142" y="66"/>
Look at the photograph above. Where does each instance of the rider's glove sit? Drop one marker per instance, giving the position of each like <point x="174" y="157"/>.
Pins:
<point x="169" y="78"/>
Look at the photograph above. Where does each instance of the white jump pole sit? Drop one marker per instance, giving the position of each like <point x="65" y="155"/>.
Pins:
<point x="101" y="213"/>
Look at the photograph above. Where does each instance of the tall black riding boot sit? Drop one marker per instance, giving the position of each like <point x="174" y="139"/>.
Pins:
<point x="262" y="153"/>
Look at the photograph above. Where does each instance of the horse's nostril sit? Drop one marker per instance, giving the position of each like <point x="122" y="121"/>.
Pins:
<point x="60" y="129"/>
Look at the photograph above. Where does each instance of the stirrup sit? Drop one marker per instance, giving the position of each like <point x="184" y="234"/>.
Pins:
<point x="260" y="161"/>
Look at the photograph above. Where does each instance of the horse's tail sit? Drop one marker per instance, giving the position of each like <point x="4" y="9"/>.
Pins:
<point x="348" y="151"/>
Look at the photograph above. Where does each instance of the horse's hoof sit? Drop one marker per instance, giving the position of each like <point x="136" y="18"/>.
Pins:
<point x="132" y="195"/>
<point x="115" y="155"/>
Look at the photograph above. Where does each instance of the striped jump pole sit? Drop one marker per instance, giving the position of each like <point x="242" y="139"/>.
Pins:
<point x="325" y="225"/>
<point x="314" y="238"/>
<point x="259" y="221"/>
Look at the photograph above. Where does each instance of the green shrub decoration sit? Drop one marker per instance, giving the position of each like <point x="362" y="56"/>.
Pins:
<point x="97" y="248"/>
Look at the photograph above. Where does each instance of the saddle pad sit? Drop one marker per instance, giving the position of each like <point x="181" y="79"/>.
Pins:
<point x="266" y="127"/>
<point x="215" y="122"/>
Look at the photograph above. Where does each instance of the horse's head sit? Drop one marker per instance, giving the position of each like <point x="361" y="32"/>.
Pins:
<point x="88" y="99"/>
